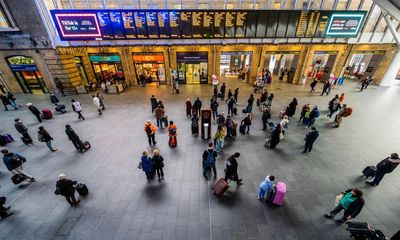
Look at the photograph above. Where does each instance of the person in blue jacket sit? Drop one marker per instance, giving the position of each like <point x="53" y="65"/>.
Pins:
<point x="313" y="115"/>
<point x="265" y="186"/>
<point x="14" y="162"/>
<point x="147" y="165"/>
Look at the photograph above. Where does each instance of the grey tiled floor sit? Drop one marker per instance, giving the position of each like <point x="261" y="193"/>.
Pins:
<point x="123" y="205"/>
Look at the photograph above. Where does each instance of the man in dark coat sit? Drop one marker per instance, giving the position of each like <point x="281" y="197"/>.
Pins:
<point x="352" y="202"/>
<point x="385" y="166"/>
<point x="265" y="116"/>
<point x="65" y="187"/>
<point x="312" y="85"/>
<point x="291" y="108"/>
<point x="310" y="139"/>
<point x="54" y="99"/>
<point x="326" y="88"/>
<point x="222" y="91"/>
<point x="197" y="106"/>
<point x="35" y="111"/>
<point x="60" y="86"/>
<point x="214" y="107"/>
<point x="72" y="136"/>
<point x="209" y="158"/>
<point x="231" y="168"/>
<point x="154" y="103"/>
<point x="236" y="94"/>
<point x="250" y="102"/>
<point x="44" y="136"/>
<point x="231" y="104"/>
<point x="19" y="125"/>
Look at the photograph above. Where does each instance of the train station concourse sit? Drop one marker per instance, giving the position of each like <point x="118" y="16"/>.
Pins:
<point x="199" y="119"/>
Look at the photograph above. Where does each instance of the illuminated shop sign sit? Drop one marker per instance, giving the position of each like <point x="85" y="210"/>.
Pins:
<point x="105" y="58"/>
<point x="187" y="24"/>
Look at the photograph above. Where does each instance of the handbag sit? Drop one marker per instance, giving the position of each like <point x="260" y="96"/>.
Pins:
<point x="338" y="198"/>
<point x="140" y="166"/>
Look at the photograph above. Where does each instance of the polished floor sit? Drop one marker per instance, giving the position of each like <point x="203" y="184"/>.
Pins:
<point x="123" y="205"/>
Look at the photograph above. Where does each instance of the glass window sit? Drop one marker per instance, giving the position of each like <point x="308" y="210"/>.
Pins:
<point x="189" y="4"/>
<point x="381" y="25"/>
<point x="174" y="4"/>
<point x="316" y="4"/>
<point x="373" y="17"/>
<point x="302" y="4"/>
<point x="232" y="4"/>
<point x="64" y="4"/>
<point x="367" y="5"/>
<point x="288" y="4"/>
<point x="354" y="4"/>
<point x="204" y="4"/>
<point x="112" y="3"/>
<point x="341" y="5"/>
<point x="80" y="4"/>
<point x="96" y="4"/>
<point x="127" y="4"/>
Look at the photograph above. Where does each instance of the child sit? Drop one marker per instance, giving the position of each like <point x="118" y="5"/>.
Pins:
<point x="265" y="186"/>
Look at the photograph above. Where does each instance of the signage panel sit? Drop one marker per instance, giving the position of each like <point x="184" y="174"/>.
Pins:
<point x="129" y="24"/>
<point x="77" y="25"/>
<point x="105" y="25"/>
<point x="152" y="21"/>
<point x="344" y="24"/>
<point x="105" y="58"/>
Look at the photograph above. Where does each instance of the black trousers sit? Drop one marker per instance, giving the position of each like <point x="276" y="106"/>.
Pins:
<point x="70" y="199"/>
<point x="337" y="209"/>
<point x="233" y="176"/>
<point x="214" y="169"/>
<point x="214" y="113"/>
<point x="308" y="147"/>
<point x="230" y="110"/>
<point x="159" y="172"/>
<point x="152" y="138"/>
<point x="80" y="116"/>
<point x="39" y="118"/>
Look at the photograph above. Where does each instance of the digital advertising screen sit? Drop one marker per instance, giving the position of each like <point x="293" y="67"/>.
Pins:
<point x="105" y="25"/>
<point x="129" y="24"/>
<point x="152" y="24"/>
<point x="344" y="24"/>
<point x="117" y="25"/>
<point x="81" y="25"/>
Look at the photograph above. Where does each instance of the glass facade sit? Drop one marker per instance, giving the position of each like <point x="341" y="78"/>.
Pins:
<point x="374" y="24"/>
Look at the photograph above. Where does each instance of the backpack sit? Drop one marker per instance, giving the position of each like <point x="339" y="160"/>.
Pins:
<point x="210" y="159"/>
<point x="41" y="138"/>
<point x="148" y="129"/>
<point x="172" y="131"/>
<point x="347" y="112"/>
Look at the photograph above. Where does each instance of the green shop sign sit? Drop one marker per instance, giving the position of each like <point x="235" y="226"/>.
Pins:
<point x="105" y="58"/>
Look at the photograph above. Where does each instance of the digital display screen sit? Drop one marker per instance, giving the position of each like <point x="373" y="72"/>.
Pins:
<point x="76" y="25"/>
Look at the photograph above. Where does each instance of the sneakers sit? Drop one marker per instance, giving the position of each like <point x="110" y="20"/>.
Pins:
<point x="54" y="150"/>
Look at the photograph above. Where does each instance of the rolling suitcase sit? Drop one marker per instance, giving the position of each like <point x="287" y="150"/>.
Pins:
<point x="165" y="119"/>
<point x="2" y="141"/>
<point x="242" y="129"/>
<point x="369" y="171"/>
<point x="220" y="187"/>
<point x="280" y="191"/>
<point x="244" y="110"/>
<point x="47" y="114"/>
<point x="172" y="142"/>
<point x="18" y="178"/>
<point x="82" y="189"/>
<point x="7" y="138"/>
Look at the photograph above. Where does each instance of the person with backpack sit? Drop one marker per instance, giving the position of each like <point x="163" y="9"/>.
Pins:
<point x="209" y="158"/>
<point x="246" y="122"/>
<point x="385" y="166"/>
<point x="65" y="187"/>
<point x="351" y="201"/>
<point x="172" y="133"/>
<point x="188" y="108"/>
<point x="310" y="139"/>
<point x="158" y="164"/>
<point x="35" y="111"/>
<point x="96" y="102"/>
<point x="344" y="112"/>
<point x="266" y="186"/>
<point x="14" y="163"/>
<point x="150" y="131"/>
<point x="146" y="164"/>
<point x="76" y="106"/>
<point x="19" y="125"/>
<point x="214" y="107"/>
<point x="197" y="106"/>
<point x="313" y="84"/>
<point x="304" y="110"/>
<point x="231" y="104"/>
<point x="44" y="136"/>
<point x="219" y="137"/>
<point x="314" y="114"/>
<point x="154" y="103"/>
<point x="232" y="167"/>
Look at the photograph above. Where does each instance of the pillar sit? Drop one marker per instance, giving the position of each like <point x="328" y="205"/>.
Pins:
<point x="391" y="72"/>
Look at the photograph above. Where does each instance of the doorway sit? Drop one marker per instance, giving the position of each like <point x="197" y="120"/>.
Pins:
<point x="192" y="67"/>
<point x="81" y="70"/>
<point x="322" y="64"/>
<point x="362" y="64"/>
<point x="235" y="64"/>
<point x="282" y="65"/>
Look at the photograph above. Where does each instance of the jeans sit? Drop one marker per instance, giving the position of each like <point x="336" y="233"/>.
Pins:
<point x="247" y="127"/>
<point x="214" y="169"/>
<point x="13" y="104"/>
<point x="219" y="144"/>
<point x="49" y="145"/>
<point x="249" y="108"/>
<point x="378" y="177"/>
<point x="159" y="122"/>
<point x="261" y="193"/>
<point x="20" y="170"/>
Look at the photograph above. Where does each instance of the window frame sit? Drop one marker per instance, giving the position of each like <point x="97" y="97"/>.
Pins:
<point x="12" y="25"/>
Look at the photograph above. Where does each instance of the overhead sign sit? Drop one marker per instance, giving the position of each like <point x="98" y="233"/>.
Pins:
<point x="185" y="24"/>
<point x="105" y="58"/>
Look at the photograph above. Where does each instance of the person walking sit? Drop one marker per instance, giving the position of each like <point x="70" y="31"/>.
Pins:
<point x="222" y="91"/>
<point x="266" y="186"/>
<point x="314" y="114"/>
<point x="351" y="201"/>
<point x="195" y="125"/>
<point x="65" y="187"/>
<point x="150" y="130"/>
<point x="35" y="111"/>
<point x="334" y="106"/>
<point x="44" y="136"/>
<point x="366" y="82"/>
<point x="275" y="136"/>
<point x="230" y="129"/>
<point x="215" y="89"/>
<point x="197" y="106"/>
<point x="72" y="136"/>
<point x="266" y="115"/>
<point x="20" y="127"/>
<point x="344" y="112"/>
<point x="310" y="139"/>
<point x="59" y="86"/>
<point x="236" y="94"/>
<point x="96" y="102"/>
<point x="76" y="106"/>
<point x="385" y="166"/>
<point x="101" y="100"/>
<point x="247" y="122"/>
<point x="232" y="167"/>
<point x="188" y="108"/>
<point x="291" y="108"/>
<point x="209" y="159"/>
<point x="214" y="107"/>
<point x="250" y="102"/>
<point x="230" y="94"/>
<point x="326" y="88"/>
<point x="159" y="114"/>
<point x="12" y="100"/>
<point x="284" y="124"/>
<point x="158" y="164"/>
<point x="14" y="163"/>
<point x="231" y="104"/>
<point x="313" y="84"/>
<point x="172" y="133"/>
<point x="269" y="99"/>
<point x="147" y="165"/>
<point x="219" y="137"/>
<point x="304" y="110"/>
<point x="154" y="103"/>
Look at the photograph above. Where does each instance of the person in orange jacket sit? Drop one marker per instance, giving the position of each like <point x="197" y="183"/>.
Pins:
<point x="341" y="98"/>
<point x="172" y="132"/>
<point x="150" y="130"/>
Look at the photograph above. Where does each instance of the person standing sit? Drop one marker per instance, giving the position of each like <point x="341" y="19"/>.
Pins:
<point x="291" y="108"/>
<point x="236" y="94"/>
<point x="275" y="136"/>
<point x="197" y="106"/>
<point x="158" y="164"/>
<point x="247" y="122"/>
<point x="76" y="106"/>
<point x="35" y="111"/>
<point x="231" y="104"/>
<point x="250" y="102"/>
<point x="60" y="86"/>
<point x="222" y="91"/>
<point x="334" y="106"/>
<point x="172" y="133"/>
<point x="19" y="125"/>
<point x="284" y="124"/>
<point x="195" y="125"/>
<point x="265" y="116"/>
<point x="188" y="108"/>
<point x="154" y="103"/>
<point x="304" y="110"/>
<point x="147" y="165"/>
<point x="351" y="201"/>
<point x="215" y="91"/>
<point x="310" y="139"/>
<point x="72" y="136"/>
<point x="150" y="130"/>
<point x="219" y="137"/>
<point x="265" y="186"/>
<point x="313" y="84"/>
<point x="14" y="162"/>
<point x="65" y="187"/>
<point x="326" y="88"/>
<point x="230" y="129"/>
<point x="209" y="158"/>
<point x="101" y="100"/>
<point x="96" y="102"/>
<point x="314" y="114"/>
<point x="159" y="114"/>
<point x="214" y="107"/>
<point x="385" y="166"/>
<point x="44" y="136"/>
<point x="232" y="167"/>
<point x="230" y="94"/>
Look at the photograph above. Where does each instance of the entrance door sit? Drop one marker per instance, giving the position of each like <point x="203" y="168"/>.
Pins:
<point x="192" y="73"/>
<point x="31" y="81"/>
<point x="81" y="69"/>
<point x="293" y="68"/>
<point x="181" y="73"/>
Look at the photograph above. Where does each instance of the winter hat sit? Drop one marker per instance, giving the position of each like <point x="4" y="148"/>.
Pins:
<point x="394" y="156"/>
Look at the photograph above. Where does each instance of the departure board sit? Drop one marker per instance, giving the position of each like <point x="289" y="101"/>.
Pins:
<point x="76" y="25"/>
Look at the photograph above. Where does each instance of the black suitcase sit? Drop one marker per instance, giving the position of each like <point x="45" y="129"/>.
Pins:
<point x="18" y="178"/>
<point x="165" y="119"/>
<point x="82" y="189"/>
<point x="234" y="111"/>
<point x="61" y="108"/>
<point x="369" y="171"/>
<point x="242" y="129"/>
<point x="2" y="142"/>
<point x="244" y="110"/>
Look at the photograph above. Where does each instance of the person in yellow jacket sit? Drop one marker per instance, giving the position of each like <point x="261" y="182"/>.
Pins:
<point x="219" y="139"/>
<point x="150" y="130"/>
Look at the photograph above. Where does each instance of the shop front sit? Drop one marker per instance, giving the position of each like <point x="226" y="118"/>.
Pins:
<point x="150" y="67"/>
<point x="282" y="64"/>
<point x="192" y="67"/>
<point x="361" y="64"/>
<point x="108" y="70"/>
<point x="27" y="74"/>
<point x="322" y="65"/>
<point x="235" y="64"/>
